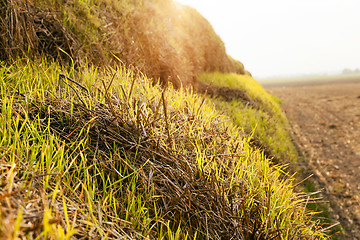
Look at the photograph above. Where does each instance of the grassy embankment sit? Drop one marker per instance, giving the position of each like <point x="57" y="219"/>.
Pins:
<point x="163" y="39"/>
<point x="130" y="163"/>
<point x="112" y="156"/>
<point x="263" y="118"/>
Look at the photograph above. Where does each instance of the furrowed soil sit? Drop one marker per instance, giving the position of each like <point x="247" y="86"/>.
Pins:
<point x="325" y="121"/>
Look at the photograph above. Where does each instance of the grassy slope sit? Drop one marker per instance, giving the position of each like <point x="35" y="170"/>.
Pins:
<point x="165" y="40"/>
<point x="74" y="181"/>
<point x="112" y="185"/>
<point x="266" y="122"/>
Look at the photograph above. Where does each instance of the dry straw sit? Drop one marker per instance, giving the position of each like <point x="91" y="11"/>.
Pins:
<point x="27" y="31"/>
<point x="167" y="42"/>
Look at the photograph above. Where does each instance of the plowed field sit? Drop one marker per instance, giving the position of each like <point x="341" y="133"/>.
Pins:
<point x="325" y="121"/>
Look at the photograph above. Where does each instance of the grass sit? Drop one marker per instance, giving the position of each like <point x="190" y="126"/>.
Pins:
<point x="266" y="121"/>
<point x="111" y="156"/>
<point x="165" y="40"/>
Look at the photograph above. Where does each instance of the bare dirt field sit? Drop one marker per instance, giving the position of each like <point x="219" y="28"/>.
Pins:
<point x="325" y="121"/>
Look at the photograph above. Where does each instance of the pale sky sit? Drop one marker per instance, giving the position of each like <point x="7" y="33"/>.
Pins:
<point x="281" y="38"/>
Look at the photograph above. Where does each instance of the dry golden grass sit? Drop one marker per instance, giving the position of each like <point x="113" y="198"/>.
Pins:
<point x="165" y="40"/>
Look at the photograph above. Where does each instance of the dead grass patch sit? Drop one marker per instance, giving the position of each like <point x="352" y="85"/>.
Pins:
<point x="167" y="41"/>
<point x="27" y="31"/>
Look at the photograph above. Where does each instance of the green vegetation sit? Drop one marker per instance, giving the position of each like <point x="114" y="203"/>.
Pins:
<point x="92" y="147"/>
<point x="127" y="159"/>
<point x="264" y="118"/>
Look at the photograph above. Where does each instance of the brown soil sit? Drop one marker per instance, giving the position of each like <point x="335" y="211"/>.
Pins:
<point x="325" y="120"/>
